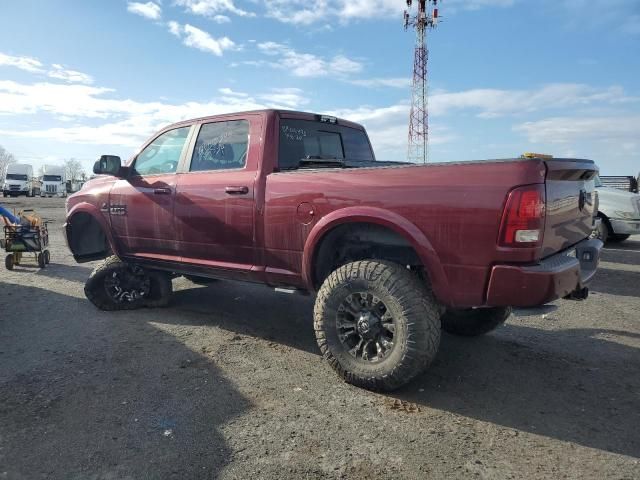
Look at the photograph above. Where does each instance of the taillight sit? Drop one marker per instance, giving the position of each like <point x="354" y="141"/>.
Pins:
<point x="523" y="217"/>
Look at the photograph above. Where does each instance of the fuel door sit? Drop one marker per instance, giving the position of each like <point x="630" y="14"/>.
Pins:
<point x="306" y="213"/>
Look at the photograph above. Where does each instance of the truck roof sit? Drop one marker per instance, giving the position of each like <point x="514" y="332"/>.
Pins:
<point x="19" y="166"/>
<point x="268" y="112"/>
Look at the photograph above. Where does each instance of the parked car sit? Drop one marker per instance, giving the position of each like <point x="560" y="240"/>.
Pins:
<point x="619" y="212"/>
<point x="393" y="251"/>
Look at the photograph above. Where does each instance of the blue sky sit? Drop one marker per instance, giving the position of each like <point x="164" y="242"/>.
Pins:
<point x="83" y="78"/>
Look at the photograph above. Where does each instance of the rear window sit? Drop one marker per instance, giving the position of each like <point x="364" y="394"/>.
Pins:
<point x="308" y="139"/>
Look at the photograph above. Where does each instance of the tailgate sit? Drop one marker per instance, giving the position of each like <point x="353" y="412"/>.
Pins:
<point x="571" y="198"/>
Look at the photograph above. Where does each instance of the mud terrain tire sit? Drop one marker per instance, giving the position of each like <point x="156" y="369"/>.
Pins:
<point x="160" y="287"/>
<point x="405" y="299"/>
<point x="474" y="322"/>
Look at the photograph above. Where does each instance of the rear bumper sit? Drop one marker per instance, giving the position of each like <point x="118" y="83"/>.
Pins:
<point x="554" y="277"/>
<point x="625" y="227"/>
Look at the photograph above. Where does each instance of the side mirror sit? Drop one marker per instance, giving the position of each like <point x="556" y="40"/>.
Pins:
<point x="108" y="165"/>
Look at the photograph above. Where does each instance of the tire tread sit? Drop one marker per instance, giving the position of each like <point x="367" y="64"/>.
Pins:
<point x="419" y="308"/>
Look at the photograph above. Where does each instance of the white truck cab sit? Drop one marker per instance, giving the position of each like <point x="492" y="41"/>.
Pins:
<point x="54" y="182"/>
<point x="619" y="212"/>
<point x="19" y="181"/>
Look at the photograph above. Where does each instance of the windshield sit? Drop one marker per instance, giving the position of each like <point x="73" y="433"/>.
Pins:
<point x="598" y="181"/>
<point x="51" y="178"/>
<point x="16" y="176"/>
<point x="308" y="139"/>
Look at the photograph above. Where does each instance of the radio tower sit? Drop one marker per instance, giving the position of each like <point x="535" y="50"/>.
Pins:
<point x="419" y="116"/>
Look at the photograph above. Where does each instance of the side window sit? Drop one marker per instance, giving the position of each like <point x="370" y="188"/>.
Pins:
<point x="221" y="145"/>
<point x="163" y="154"/>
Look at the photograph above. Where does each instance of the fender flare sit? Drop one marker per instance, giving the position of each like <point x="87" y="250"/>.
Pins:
<point x="385" y="218"/>
<point x="97" y="215"/>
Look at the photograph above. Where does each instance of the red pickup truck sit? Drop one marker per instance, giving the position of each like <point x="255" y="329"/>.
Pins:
<point x="394" y="252"/>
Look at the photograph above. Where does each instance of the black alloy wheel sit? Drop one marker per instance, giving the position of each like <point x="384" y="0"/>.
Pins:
<point x="365" y="327"/>
<point x="128" y="284"/>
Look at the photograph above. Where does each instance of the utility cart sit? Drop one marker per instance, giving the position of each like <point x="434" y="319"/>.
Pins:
<point x="31" y="236"/>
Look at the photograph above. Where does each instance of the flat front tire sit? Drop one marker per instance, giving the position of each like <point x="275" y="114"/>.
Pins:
<point x="118" y="285"/>
<point x="474" y="322"/>
<point x="377" y="324"/>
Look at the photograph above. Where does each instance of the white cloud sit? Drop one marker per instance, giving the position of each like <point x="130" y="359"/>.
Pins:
<point x="288" y="97"/>
<point x="303" y="12"/>
<point x="387" y="126"/>
<point x="616" y="130"/>
<point x="232" y="93"/>
<point x="308" y="64"/>
<point x="150" y="10"/>
<point x="212" y="8"/>
<point x="221" y="19"/>
<point x="93" y="115"/>
<point x="392" y="82"/>
<point x="611" y="140"/>
<point x="175" y="28"/>
<point x="27" y="64"/>
<point x="342" y="64"/>
<point x="195" y="38"/>
<point x="33" y="65"/>
<point x="70" y="76"/>
<point x="491" y="103"/>
<point x="86" y="114"/>
<point x="298" y="12"/>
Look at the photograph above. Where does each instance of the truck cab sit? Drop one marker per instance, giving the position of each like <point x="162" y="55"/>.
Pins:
<point x="54" y="183"/>
<point x="19" y="180"/>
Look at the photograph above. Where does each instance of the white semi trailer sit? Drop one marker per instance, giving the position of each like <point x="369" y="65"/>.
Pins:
<point x="19" y="180"/>
<point x="54" y="181"/>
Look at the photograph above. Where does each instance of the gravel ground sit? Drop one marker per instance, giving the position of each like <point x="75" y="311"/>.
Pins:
<point x="228" y="383"/>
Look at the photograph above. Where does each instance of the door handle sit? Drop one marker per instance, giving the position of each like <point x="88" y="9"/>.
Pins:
<point x="162" y="191"/>
<point x="237" y="190"/>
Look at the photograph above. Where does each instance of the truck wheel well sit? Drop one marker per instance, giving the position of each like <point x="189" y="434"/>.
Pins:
<point x="360" y="241"/>
<point x="87" y="240"/>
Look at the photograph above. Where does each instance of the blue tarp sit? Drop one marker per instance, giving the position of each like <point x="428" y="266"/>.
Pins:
<point x="6" y="213"/>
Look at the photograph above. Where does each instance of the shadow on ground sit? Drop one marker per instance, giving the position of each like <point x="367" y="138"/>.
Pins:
<point x="616" y="282"/>
<point x="86" y="394"/>
<point x="573" y="385"/>
<point x="623" y="252"/>
<point x="73" y="273"/>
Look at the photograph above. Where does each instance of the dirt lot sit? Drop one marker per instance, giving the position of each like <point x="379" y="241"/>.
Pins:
<point x="228" y="383"/>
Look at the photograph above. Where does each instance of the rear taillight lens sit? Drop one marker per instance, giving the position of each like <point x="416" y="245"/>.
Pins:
<point x="523" y="217"/>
